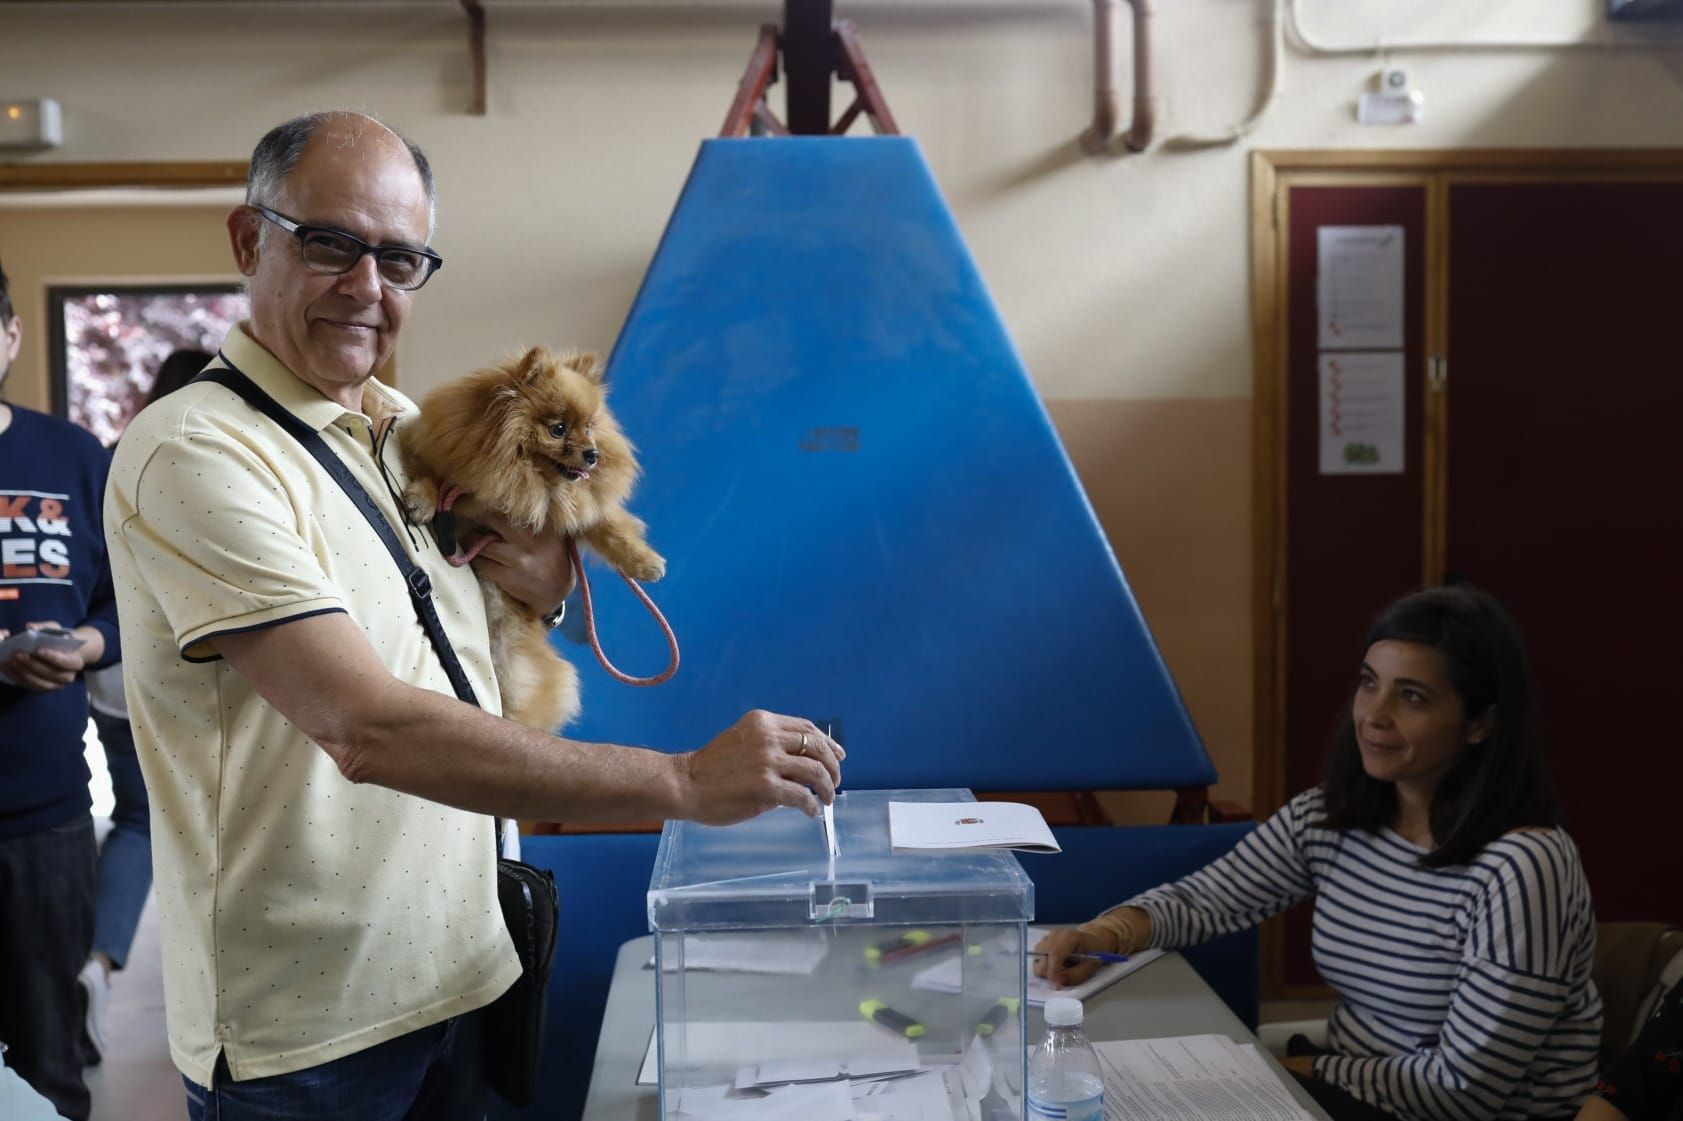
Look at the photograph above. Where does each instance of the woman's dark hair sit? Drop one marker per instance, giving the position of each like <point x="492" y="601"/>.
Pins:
<point x="1497" y="785"/>
<point x="175" y="371"/>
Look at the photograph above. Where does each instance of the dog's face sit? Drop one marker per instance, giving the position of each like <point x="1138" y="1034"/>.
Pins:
<point x="534" y="438"/>
<point x="556" y="407"/>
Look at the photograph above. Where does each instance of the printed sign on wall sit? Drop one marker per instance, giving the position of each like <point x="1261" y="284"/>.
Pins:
<point x="1362" y="413"/>
<point x="1359" y="287"/>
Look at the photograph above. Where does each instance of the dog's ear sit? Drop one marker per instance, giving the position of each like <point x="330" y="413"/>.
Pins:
<point x="532" y="364"/>
<point x="588" y="363"/>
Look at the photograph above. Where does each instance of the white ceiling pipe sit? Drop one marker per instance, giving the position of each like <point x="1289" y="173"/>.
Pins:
<point x="1187" y="142"/>
<point x="1606" y="41"/>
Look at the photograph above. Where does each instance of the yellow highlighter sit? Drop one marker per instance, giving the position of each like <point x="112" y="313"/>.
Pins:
<point x="1005" y="1006"/>
<point x="897" y="1022"/>
<point x="893" y="947"/>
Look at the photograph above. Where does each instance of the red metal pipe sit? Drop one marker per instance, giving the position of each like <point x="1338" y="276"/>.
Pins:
<point x="762" y="66"/>
<point x="1107" y="94"/>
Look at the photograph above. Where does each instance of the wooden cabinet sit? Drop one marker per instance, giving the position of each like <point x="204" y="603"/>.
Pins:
<point x="1543" y="376"/>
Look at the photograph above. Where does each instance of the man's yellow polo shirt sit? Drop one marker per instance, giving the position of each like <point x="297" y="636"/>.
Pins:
<point x="303" y="918"/>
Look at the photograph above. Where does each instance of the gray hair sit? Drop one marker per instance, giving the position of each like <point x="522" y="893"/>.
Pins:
<point x="277" y="155"/>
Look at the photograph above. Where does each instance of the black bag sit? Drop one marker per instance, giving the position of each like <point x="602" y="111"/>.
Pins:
<point x="512" y="1025"/>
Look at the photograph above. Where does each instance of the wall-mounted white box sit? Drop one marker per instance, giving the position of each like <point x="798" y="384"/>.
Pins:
<point x="29" y="124"/>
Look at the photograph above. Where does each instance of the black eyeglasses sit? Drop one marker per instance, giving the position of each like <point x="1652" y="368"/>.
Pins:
<point x="335" y="251"/>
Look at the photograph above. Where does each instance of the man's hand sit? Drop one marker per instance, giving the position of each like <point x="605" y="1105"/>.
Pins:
<point x="43" y="670"/>
<point x="1056" y="947"/>
<point x="762" y="761"/>
<point x="535" y="570"/>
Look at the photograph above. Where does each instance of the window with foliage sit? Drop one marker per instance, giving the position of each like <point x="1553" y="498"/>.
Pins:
<point x="108" y="342"/>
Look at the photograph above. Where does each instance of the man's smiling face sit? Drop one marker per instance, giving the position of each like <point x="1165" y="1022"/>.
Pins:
<point x="331" y="331"/>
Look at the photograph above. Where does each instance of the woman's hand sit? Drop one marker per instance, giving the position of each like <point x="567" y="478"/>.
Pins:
<point x="1056" y="965"/>
<point x="1300" y="1064"/>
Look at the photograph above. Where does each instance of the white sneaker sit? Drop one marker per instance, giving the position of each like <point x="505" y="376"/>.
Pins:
<point x="97" y="998"/>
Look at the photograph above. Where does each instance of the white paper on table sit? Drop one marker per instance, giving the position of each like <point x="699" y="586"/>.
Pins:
<point x="725" y="1043"/>
<point x="896" y="1059"/>
<point x="819" y="1101"/>
<point x="1359" y="287"/>
<point x="976" y="1071"/>
<point x="899" y="1059"/>
<point x="795" y="956"/>
<point x="1257" y="1059"/>
<point x="782" y="1073"/>
<point x="648" y="1074"/>
<point x="968" y="825"/>
<point x="1362" y="413"/>
<point x="1190" y="1076"/>
<point x="698" y="1099"/>
<point x="947" y="976"/>
<point x="922" y="1097"/>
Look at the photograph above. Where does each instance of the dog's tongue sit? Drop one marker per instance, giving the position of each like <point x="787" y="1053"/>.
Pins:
<point x="582" y="476"/>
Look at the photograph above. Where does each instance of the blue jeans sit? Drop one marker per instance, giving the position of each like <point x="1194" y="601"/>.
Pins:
<point x="434" y="1074"/>
<point x="125" y="859"/>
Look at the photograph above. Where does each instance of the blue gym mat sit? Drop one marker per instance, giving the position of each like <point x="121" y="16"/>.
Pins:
<point x="867" y="515"/>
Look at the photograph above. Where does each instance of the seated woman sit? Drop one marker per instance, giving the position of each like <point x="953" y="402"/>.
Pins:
<point x="1452" y="916"/>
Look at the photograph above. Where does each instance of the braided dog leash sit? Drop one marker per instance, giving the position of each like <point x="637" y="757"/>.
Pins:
<point x="459" y="556"/>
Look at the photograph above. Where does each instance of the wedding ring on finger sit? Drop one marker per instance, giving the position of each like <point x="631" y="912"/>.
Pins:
<point x="802" y="751"/>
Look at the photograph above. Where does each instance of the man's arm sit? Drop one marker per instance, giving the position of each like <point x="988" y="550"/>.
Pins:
<point x="322" y="674"/>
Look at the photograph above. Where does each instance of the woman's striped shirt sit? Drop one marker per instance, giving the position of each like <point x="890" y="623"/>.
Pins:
<point x="1465" y="992"/>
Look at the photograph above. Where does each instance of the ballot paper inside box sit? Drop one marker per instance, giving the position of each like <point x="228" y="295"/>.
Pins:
<point x="784" y="974"/>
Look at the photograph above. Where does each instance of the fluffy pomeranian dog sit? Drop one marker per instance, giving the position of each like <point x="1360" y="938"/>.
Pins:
<point x="533" y="440"/>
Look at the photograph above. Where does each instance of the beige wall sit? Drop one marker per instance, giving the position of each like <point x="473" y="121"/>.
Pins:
<point x="1123" y="280"/>
<point x="43" y="246"/>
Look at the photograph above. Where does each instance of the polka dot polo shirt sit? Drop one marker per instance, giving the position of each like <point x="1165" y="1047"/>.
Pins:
<point x="303" y="918"/>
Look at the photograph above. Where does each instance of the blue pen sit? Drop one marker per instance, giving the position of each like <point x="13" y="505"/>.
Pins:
<point x="1095" y="955"/>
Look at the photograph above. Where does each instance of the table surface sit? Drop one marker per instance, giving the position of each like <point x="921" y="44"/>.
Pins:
<point x="1164" y="998"/>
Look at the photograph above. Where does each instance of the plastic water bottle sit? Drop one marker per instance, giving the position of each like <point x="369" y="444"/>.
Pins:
<point x="1064" y="1082"/>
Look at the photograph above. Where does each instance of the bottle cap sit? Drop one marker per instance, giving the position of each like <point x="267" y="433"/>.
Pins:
<point x="1063" y="1011"/>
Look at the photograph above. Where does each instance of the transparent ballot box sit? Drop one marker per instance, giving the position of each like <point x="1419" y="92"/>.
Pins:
<point x="871" y="985"/>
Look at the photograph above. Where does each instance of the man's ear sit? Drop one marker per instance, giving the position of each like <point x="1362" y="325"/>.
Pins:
<point x="1482" y="727"/>
<point x="243" y="228"/>
<point x="13" y="336"/>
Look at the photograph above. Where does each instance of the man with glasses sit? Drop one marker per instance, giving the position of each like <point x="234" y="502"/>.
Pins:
<point x="324" y="866"/>
<point x="55" y="581"/>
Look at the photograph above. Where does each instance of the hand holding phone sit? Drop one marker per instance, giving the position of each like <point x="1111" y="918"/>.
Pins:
<point x="57" y="638"/>
<point x="41" y="658"/>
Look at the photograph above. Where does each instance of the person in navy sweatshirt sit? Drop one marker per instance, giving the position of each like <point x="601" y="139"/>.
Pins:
<point x="54" y="574"/>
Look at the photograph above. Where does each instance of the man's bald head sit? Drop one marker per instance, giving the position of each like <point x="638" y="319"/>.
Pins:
<point x="277" y="155"/>
<point x="334" y="321"/>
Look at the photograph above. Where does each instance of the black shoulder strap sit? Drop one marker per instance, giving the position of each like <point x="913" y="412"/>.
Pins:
<point x="420" y="586"/>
